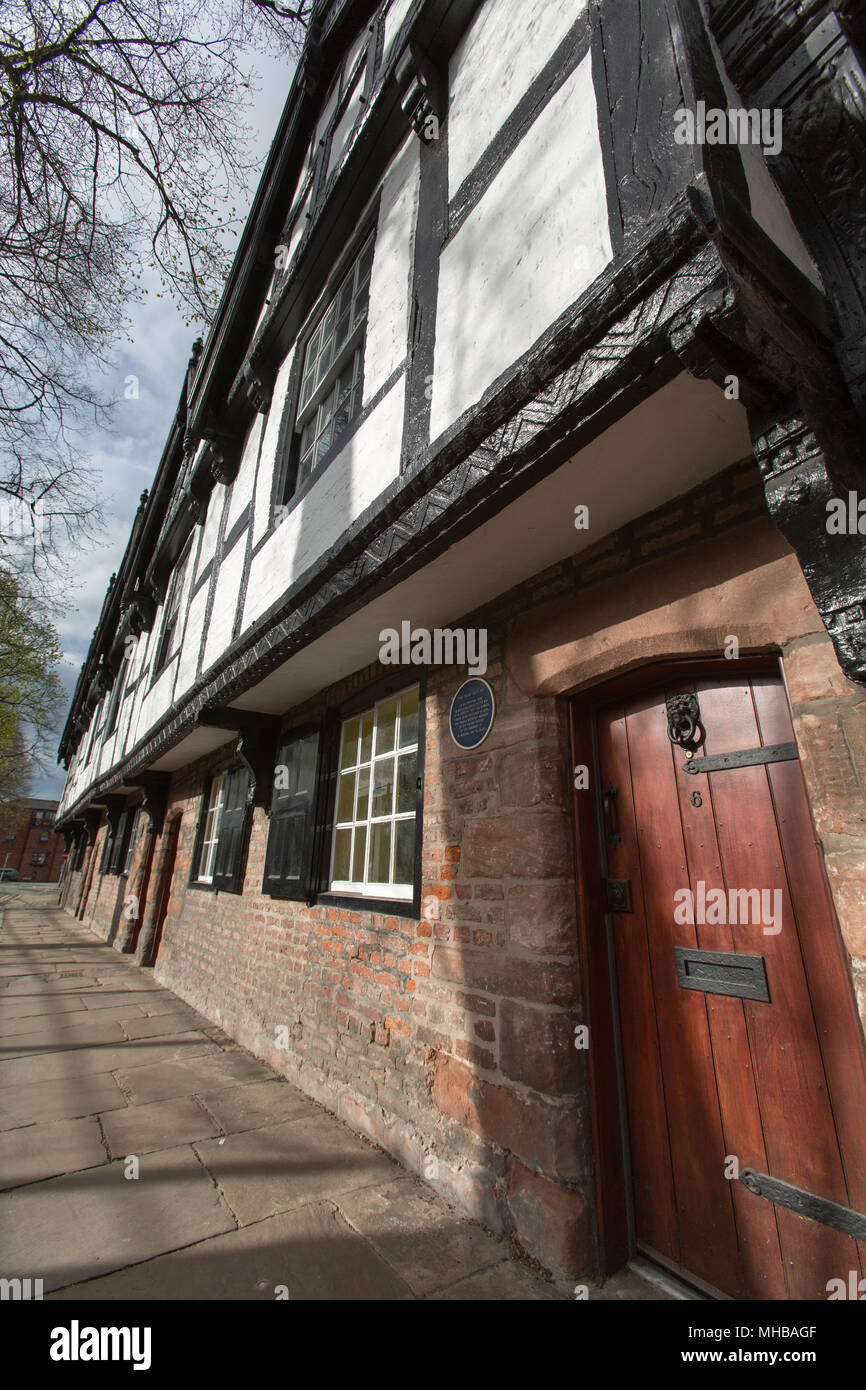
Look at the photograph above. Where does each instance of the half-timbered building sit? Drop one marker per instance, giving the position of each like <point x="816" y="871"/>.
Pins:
<point x="475" y="727"/>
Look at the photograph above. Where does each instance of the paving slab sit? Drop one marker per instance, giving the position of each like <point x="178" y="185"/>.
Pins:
<point x="38" y="1007"/>
<point x="116" y="999"/>
<point x="244" y="1183"/>
<point x="506" y="1282"/>
<point x="85" y="1224"/>
<point x="166" y="1124"/>
<point x="64" y="1026"/>
<point x="168" y="1023"/>
<point x="167" y="1079"/>
<point x="311" y="1254"/>
<point x="37" y="1152"/>
<point x="292" y="1164"/>
<point x="256" y="1104"/>
<point x="84" y="1061"/>
<point x="48" y="1039"/>
<point x="59" y="1100"/>
<point x="428" y="1243"/>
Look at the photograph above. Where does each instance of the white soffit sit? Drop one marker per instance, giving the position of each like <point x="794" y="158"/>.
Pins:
<point x="195" y="745"/>
<point x="678" y="438"/>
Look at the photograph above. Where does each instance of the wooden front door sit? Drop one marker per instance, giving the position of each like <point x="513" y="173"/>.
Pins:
<point x="716" y="1083"/>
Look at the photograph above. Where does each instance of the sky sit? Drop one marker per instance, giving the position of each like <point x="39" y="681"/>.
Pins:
<point x="126" y="456"/>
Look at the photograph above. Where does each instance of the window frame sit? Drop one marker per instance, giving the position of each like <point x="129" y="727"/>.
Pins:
<point x="217" y="784"/>
<point x="350" y="352"/>
<point x="221" y="773"/>
<point x="120" y="842"/>
<point x="80" y="851"/>
<point x="131" y="839"/>
<point x="366" y="700"/>
<point x="290" y="804"/>
<point x="171" y="612"/>
<point x="115" y="700"/>
<point x="288" y="488"/>
<point x="377" y="888"/>
<point x="315" y="173"/>
<point x="107" y="851"/>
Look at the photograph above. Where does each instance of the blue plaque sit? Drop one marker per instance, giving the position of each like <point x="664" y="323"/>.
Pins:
<point x="471" y="716"/>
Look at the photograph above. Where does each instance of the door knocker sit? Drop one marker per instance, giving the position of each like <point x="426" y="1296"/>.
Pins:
<point x="684" y="722"/>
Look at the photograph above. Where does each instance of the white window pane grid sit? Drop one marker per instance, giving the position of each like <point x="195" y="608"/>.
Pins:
<point x="332" y="418"/>
<point x="212" y="828"/>
<point x="373" y="849"/>
<point x="343" y="316"/>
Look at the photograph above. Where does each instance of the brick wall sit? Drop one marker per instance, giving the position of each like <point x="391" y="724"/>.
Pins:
<point x="21" y="837"/>
<point x="449" y="1040"/>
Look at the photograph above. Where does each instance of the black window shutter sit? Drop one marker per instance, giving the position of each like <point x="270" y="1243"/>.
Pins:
<point x="290" y="838"/>
<point x="106" y="850"/>
<point x="119" y="843"/>
<point x="228" y="863"/>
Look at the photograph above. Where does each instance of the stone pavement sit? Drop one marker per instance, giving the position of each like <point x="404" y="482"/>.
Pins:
<point x="244" y="1184"/>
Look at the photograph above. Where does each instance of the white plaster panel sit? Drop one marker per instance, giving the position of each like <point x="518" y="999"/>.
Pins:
<point x="388" y="314"/>
<point x="299" y="226"/>
<point x="156" y="701"/>
<point x="211" y="526"/>
<point x="537" y="238"/>
<point x="350" y="483"/>
<point x="242" y="489"/>
<point x="147" y="648"/>
<point x="264" y="484"/>
<point x="343" y="128"/>
<point x="188" y="663"/>
<point x="129" y="727"/>
<point x="504" y="49"/>
<point x="397" y="12"/>
<point x="225" y="604"/>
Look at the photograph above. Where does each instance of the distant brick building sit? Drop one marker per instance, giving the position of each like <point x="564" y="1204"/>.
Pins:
<point x="30" y="844"/>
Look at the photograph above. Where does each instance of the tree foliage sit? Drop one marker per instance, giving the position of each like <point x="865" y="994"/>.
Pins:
<point x="31" y="695"/>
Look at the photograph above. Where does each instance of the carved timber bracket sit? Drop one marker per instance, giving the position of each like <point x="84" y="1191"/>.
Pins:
<point x="222" y="454"/>
<point x="775" y="356"/>
<point x="801" y="488"/>
<point x="422" y="92"/>
<point x="256" y="746"/>
<point x="259" y="377"/>
<point x="155" y="786"/>
<point x="114" y="805"/>
<point x="796" y="56"/>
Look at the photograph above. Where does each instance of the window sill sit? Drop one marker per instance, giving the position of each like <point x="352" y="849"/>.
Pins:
<point x="392" y="907"/>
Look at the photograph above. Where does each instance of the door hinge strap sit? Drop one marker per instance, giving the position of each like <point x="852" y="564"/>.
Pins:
<point x="784" y="1194"/>
<point x="747" y="757"/>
